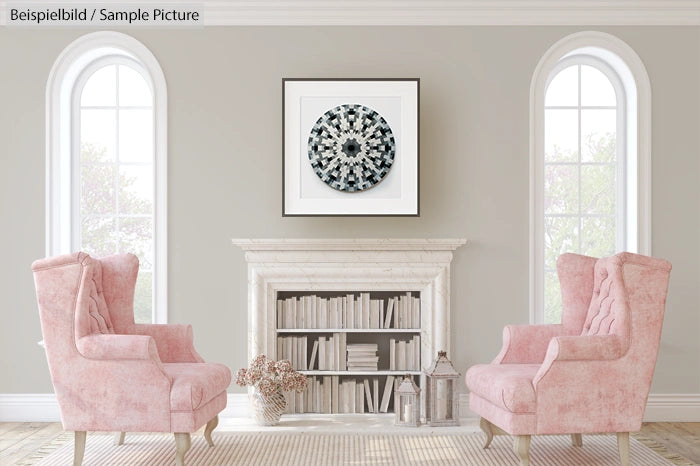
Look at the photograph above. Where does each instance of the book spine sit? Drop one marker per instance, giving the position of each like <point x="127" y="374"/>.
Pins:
<point x="381" y="313"/>
<point x="409" y="310"/>
<point x="416" y="353"/>
<point x="392" y="354"/>
<point x="388" y="387"/>
<point x="416" y="313"/>
<point x="351" y="311"/>
<point x="368" y="396"/>
<point x="322" y="354"/>
<point x="334" y="394"/>
<point x="375" y="386"/>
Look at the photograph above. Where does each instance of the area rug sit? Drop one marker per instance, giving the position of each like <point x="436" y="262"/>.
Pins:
<point x="309" y="449"/>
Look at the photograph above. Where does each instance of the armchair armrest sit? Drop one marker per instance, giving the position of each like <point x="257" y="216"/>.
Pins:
<point x="175" y="342"/>
<point x="585" y="348"/>
<point x="117" y="347"/>
<point x="526" y="344"/>
<point x="581" y="350"/>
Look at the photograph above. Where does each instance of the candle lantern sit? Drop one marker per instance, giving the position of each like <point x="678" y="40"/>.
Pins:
<point x="407" y="403"/>
<point x="443" y="405"/>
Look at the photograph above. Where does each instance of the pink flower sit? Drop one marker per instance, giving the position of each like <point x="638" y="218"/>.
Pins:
<point x="268" y="376"/>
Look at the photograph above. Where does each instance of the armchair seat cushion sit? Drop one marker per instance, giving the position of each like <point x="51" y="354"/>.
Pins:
<point x="195" y="384"/>
<point x="508" y="386"/>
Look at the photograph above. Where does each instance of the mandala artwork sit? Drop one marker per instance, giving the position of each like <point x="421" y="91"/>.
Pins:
<point x="351" y="148"/>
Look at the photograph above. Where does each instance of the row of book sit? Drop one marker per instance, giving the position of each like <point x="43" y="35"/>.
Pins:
<point x="335" y="354"/>
<point x="330" y="395"/>
<point x="327" y="353"/>
<point x="348" y="311"/>
<point x="404" y="355"/>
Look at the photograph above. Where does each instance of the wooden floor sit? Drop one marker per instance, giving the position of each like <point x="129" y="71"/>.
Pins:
<point x="682" y="438"/>
<point x="19" y="440"/>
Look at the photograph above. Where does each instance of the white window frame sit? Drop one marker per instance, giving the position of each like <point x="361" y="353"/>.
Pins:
<point x="61" y="131"/>
<point x="619" y="60"/>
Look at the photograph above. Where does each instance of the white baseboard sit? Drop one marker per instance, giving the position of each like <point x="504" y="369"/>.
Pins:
<point x="42" y="407"/>
<point x="673" y="407"/>
<point x="29" y="407"/>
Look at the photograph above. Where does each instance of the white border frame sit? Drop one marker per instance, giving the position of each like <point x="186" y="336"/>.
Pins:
<point x="434" y="13"/>
<point x="635" y="81"/>
<point x="59" y="139"/>
<point x="364" y="203"/>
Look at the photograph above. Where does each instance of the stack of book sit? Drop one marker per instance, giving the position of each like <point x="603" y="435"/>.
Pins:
<point x="362" y="357"/>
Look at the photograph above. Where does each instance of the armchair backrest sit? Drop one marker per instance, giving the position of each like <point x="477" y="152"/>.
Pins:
<point x="73" y="302"/>
<point x="628" y="301"/>
<point x="608" y="312"/>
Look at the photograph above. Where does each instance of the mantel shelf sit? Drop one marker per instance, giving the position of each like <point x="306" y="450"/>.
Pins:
<point x="348" y="330"/>
<point x="360" y="372"/>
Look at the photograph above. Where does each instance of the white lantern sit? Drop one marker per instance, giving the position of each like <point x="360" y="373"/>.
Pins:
<point x="442" y="392"/>
<point x="406" y="403"/>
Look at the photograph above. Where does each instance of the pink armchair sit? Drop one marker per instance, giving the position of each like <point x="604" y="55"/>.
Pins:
<point x="592" y="372"/>
<point x="110" y="374"/>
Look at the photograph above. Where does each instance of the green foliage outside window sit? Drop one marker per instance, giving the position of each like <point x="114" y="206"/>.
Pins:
<point x="580" y="210"/>
<point x="116" y="221"/>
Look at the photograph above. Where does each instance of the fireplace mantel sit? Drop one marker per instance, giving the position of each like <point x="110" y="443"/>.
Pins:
<point x="349" y="265"/>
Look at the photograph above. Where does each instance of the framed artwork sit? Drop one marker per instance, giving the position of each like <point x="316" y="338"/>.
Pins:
<point x="350" y="147"/>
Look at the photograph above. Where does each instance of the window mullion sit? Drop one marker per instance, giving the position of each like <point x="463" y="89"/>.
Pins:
<point x="117" y="225"/>
<point x="580" y="220"/>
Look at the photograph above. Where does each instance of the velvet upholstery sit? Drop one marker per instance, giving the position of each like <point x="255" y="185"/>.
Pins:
<point x="592" y="372"/>
<point x="110" y="374"/>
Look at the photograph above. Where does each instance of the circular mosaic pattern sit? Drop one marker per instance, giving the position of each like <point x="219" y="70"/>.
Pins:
<point x="351" y="148"/>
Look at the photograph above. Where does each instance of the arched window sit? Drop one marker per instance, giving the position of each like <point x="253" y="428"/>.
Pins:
<point x="590" y="185"/>
<point x="106" y="156"/>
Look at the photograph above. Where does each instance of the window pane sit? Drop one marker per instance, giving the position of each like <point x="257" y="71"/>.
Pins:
<point x="598" y="135"/>
<point x="552" y="298"/>
<point x="98" y="235"/>
<point x="100" y="88"/>
<point x="560" y="236"/>
<point x="598" y="236"/>
<point x="596" y="88"/>
<point x="136" y="237"/>
<point x="98" y="128"/>
<point x="136" y="136"/>
<point x="563" y="88"/>
<point x="560" y="135"/>
<point x="133" y="89"/>
<point x="143" y="297"/>
<point x="561" y="189"/>
<point x="598" y="191"/>
<point x="96" y="186"/>
<point x="135" y="189"/>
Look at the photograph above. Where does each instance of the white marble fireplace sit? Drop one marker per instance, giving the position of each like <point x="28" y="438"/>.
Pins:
<point x="277" y="265"/>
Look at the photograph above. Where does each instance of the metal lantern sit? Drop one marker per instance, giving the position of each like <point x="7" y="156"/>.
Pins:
<point x="443" y="405"/>
<point x="407" y="403"/>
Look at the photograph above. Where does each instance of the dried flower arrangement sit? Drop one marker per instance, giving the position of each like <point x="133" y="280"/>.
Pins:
<point x="269" y="376"/>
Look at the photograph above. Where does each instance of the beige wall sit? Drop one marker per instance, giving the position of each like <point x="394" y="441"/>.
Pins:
<point x="225" y="168"/>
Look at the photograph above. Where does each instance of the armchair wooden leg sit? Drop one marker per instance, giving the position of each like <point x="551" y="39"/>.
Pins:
<point x="623" y="447"/>
<point x="119" y="438"/>
<point x="576" y="440"/>
<point x="182" y="442"/>
<point x="211" y="425"/>
<point x="521" y="445"/>
<point x="79" y="447"/>
<point x="487" y="428"/>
